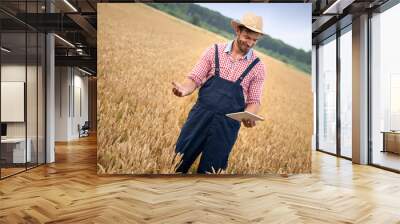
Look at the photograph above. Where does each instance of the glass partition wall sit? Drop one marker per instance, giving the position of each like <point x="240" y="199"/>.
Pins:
<point x="13" y="91"/>
<point x="334" y="91"/>
<point x="22" y="87"/>
<point x="334" y="104"/>
<point x="346" y="93"/>
<point x="327" y="95"/>
<point x="385" y="89"/>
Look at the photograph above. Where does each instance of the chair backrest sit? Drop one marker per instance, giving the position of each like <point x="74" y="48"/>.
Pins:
<point x="86" y="125"/>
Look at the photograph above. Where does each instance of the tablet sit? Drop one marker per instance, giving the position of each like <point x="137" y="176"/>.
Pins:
<point x="239" y="116"/>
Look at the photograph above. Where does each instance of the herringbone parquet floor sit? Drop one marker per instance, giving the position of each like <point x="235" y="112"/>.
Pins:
<point x="69" y="191"/>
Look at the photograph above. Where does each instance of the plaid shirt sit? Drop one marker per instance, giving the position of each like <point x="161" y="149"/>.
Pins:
<point x="231" y="70"/>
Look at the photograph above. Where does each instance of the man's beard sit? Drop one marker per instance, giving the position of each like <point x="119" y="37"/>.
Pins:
<point x="242" y="46"/>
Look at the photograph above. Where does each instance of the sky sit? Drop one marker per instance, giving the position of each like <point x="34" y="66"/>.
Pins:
<point x="289" y="22"/>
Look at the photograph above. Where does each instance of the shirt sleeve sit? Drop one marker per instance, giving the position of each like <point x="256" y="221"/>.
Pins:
<point x="203" y="67"/>
<point x="256" y="86"/>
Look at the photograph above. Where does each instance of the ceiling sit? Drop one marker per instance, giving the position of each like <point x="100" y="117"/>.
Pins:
<point x="330" y="15"/>
<point x="76" y="22"/>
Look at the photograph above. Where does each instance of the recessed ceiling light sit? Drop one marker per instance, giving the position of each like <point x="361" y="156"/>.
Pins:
<point x="64" y="40"/>
<point x="84" y="71"/>
<point x="5" y="50"/>
<point x="338" y="6"/>
<point x="71" y="6"/>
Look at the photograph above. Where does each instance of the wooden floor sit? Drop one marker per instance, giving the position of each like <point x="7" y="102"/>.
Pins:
<point x="69" y="191"/>
<point x="5" y="172"/>
<point x="9" y="170"/>
<point x="387" y="159"/>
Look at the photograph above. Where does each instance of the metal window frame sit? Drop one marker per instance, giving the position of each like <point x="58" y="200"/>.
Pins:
<point x="386" y="6"/>
<point x="339" y="32"/>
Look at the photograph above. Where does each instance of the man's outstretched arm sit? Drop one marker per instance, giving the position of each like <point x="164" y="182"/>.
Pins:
<point x="186" y="88"/>
<point x="198" y="74"/>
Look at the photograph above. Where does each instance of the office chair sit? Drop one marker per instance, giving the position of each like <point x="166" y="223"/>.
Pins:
<point x="84" y="130"/>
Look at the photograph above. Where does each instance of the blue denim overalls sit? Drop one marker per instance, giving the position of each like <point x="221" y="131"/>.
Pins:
<point x="207" y="129"/>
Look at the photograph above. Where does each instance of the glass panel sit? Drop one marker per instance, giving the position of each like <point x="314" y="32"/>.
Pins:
<point x="41" y="98"/>
<point x="346" y="94"/>
<point x="31" y="100"/>
<point x="314" y="90"/>
<point x="13" y="88"/>
<point x="22" y="88"/>
<point x="327" y="97"/>
<point x="386" y="89"/>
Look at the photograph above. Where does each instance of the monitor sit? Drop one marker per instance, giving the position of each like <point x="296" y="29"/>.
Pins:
<point x="3" y="129"/>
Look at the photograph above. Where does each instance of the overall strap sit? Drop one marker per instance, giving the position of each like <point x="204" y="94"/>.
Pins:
<point x="247" y="70"/>
<point x="216" y="61"/>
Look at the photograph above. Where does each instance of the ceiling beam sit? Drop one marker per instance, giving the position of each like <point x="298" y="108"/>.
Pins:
<point x="84" y="61"/>
<point x="337" y="6"/>
<point x="86" y="26"/>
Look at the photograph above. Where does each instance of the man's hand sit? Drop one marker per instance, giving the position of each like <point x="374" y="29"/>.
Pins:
<point x="184" y="89"/>
<point x="248" y="123"/>
<point x="252" y="108"/>
<point x="179" y="90"/>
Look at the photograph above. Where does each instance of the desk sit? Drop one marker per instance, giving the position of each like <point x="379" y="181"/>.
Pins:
<point x="15" y="148"/>
<point x="391" y="141"/>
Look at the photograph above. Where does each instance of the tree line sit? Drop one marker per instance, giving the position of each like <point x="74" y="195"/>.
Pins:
<point x="220" y="24"/>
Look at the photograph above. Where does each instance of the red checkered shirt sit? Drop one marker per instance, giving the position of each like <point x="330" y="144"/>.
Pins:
<point x="231" y="70"/>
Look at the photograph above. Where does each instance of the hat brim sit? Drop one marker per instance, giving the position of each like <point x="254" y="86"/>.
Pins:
<point x="236" y="23"/>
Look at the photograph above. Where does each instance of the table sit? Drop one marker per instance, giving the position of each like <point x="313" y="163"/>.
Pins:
<point x="391" y="141"/>
<point x="13" y="150"/>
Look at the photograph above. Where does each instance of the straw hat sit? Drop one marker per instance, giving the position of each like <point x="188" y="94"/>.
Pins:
<point x="250" y="21"/>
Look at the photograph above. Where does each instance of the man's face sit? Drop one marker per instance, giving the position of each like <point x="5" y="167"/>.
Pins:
<point x="246" y="40"/>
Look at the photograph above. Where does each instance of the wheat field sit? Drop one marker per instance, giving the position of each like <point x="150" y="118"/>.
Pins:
<point x="140" y="52"/>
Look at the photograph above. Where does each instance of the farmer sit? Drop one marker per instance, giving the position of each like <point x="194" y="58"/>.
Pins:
<point x="231" y="78"/>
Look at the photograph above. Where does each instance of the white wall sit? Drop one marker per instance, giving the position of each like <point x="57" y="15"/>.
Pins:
<point x="62" y="81"/>
<point x="34" y="123"/>
<point x="80" y="84"/>
<point x="70" y="84"/>
<point x="12" y="73"/>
